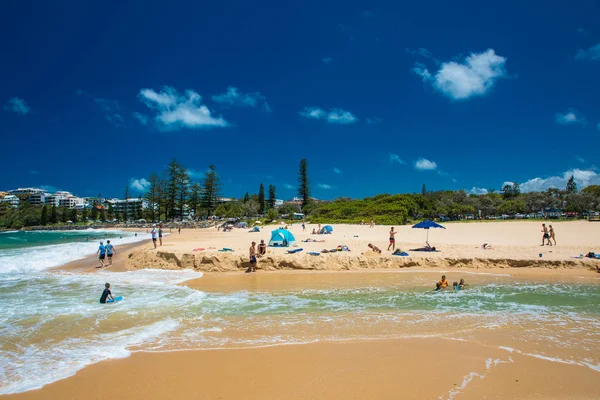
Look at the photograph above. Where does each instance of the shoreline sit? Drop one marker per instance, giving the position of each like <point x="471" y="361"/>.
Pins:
<point x="417" y="368"/>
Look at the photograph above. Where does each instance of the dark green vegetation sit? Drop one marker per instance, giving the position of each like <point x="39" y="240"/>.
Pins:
<point x="174" y="196"/>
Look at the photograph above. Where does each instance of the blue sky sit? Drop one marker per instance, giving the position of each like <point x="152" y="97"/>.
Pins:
<point x="378" y="96"/>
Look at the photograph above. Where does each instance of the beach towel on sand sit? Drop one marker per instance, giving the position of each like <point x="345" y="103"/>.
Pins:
<point x="314" y="253"/>
<point x="401" y="254"/>
<point x="294" y="251"/>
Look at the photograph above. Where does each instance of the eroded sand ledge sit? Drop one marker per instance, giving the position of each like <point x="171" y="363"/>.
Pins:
<point x="227" y="262"/>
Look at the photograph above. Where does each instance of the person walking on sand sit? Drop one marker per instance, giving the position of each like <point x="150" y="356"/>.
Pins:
<point x="303" y="227"/>
<point x="179" y="230"/>
<point x="154" y="236"/>
<point x="160" y="232"/>
<point x="545" y="235"/>
<point x="252" y="267"/>
<point x="392" y="244"/>
<point x="110" y="250"/>
<point x="372" y="224"/>
<point x="101" y="254"/>
<point x="551" y="233"/>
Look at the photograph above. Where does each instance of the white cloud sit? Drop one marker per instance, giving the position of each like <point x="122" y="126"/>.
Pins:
<point x="337" y="170"/>
<point x="593" y="53"/>
<point x="288" y="186"/>
<point x="139" y="185"/>
<point x="143" y="119"/>
<point x="174" y="110"/>
<point x="327" y="60"/>
<point x="570" y="117"/>
<point x="477" y="190"/>
<point x="580" y="159"/>
<point x="395" y="158"/>
<point x="17" y="105"/>
<point x="48" y="188"/>
<point x="583" y="178"/>
<point x="325" y="186"/>
<point x="34" y="172"/>
<point x="423" y="164"/>
<point x="333" y="116"/>
<point x="193" y="174"/>
<point x="474" y="76"/>
<point x="233" y="97"/>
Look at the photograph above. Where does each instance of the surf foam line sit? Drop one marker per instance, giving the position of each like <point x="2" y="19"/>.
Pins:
<point x="553" y="359"/>
<point x="468" y="378"/>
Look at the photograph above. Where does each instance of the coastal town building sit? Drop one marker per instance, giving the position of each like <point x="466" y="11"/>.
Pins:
<point x="37" y="199"/>
<point x="11" y="199"/>
<point x="26" y="191"/>
<point x="130" y="206"/>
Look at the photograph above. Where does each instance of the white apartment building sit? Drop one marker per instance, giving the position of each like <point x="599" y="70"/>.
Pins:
<point x="11" y="199"/>
<point x="70" y="201"/>
<point x="37" y="199"/>
<point x="26" y="191"/>
<point x="130" y="205"/>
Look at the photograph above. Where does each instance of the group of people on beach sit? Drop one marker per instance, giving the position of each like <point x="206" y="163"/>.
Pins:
<point x="443" y="284"/>
<point x="254" y="255"/>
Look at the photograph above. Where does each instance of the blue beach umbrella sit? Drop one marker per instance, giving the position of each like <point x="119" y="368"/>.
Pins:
<point x="427" y="224"/>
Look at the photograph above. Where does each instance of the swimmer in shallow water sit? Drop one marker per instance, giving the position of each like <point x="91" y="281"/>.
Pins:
<point x="106" y="294"/>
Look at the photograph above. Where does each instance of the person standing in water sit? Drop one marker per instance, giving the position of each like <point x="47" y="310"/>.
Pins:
<point x="101" y="254"/>
<point x="110" y="250"/>
<point x="392" y="239"/>
<point x="252" y="267"/>
<point x="551" y="234"/>
<point x="160" y="234"/>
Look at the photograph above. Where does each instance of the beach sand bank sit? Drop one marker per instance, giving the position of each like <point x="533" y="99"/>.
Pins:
<point x="513" y="245"/>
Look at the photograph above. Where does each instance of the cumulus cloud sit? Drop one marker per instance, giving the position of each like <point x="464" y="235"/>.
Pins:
<point x="234" y="98"/>
<point x="288" y="186"/>
<point x="17" y="105"/>
<point x="423" y="164"/>
<point x="477" y="190"/>
<point x="333" y="116"/>
<point x="395" y="158"/>
<point x="593" y="53"/>
<point x="474" y="76"/>
<point x="48" y="188"/>
<point x="327" y="60"/>
<point x="569" y="117"/>
<point x="325" y="186"/>
<point x="337" y="170"/>
<point x="194" y="174"/>
<point x="143" y="119"/>
<point x="139" y="185"/>
<point x="583" y="178"/>
<point x="174" y="110"/>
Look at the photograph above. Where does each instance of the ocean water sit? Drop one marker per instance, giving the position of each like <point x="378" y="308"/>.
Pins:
<point x="52" y="325"/>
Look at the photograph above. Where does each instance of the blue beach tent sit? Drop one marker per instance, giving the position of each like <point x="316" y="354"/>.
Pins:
<point x="326" y="229"/>
<point x="282" y="238"/>
<point x="427" y="224"/>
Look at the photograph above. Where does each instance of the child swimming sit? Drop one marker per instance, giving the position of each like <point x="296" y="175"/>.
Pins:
<point x="106" y="294"/>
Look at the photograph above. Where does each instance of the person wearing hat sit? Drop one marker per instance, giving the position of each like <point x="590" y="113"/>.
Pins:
<point x="101" y="254"/>
<point x="262" y="249"/>
<point x="154" y="235"/>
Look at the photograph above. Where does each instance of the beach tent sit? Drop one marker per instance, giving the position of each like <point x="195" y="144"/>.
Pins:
<point x="282" y="238"/>
<point x="326" y="229"/>
<point x="242" y="225"/>
<point x="427" y="224"/>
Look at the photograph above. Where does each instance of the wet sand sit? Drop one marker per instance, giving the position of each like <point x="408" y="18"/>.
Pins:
<point x="387" y="369"/>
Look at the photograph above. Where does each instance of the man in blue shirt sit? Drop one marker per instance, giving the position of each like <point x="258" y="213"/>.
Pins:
<point x="110" y="250"/>
<point x="101" y="254"/>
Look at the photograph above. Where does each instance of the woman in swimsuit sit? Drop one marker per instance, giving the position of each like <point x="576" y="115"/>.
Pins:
<point x="551" y="233"/>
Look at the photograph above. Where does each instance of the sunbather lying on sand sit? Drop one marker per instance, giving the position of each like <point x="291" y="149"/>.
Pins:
<point x="312" y="241"/>
<point x="374" y="248"/>
<point x="426" y="248"/>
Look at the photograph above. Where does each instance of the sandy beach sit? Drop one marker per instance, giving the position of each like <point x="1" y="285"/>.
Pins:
<point x="361" y="325"/>
<point x="513" y="244"/>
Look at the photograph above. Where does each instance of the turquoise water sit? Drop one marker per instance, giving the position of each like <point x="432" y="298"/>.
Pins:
<point x="51" y="324"/>
<point x="21" y="239"/>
